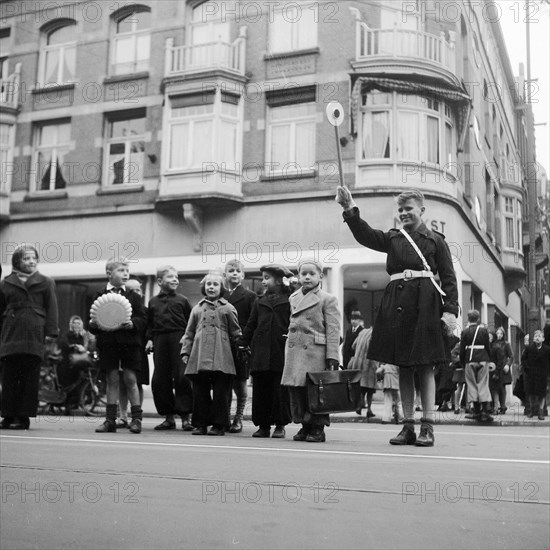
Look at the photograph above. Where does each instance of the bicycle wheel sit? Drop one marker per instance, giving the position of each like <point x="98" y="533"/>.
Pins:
<point x="92" y="402"/>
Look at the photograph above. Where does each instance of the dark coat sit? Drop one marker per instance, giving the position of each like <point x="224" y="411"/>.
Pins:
<point x="265" y="333"/>
<point x="347" y="349"/>
<point x="478" y="355"/>
<point x="536" y="368"/>
<point x="28" y="313"/>
<point x="242" y="300"/>
<point x="501" y="354"/>
<point x="408" y="327"/>
<point x="124" y="337"/>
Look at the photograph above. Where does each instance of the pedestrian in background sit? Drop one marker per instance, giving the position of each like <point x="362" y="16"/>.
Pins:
<point x="416" y="313"/>
<point x="312" y="346"/>
<point x="265" y="332"/>
<point x="167" y="317"/>
<point x="536" y="361"/>
<point x="206" y="352"/>
<point x="242" y="300"/>
<point x="357" y="325"/>
<point x="503" y="358"/>
<point x="28" y="321"/>
<point x="393" y="410"/>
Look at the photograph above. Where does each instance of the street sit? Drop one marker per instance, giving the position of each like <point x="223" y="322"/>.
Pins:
<point x="64" y="486"/>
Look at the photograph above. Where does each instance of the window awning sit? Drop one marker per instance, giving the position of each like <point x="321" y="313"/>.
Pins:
<point x="459" y="98"/>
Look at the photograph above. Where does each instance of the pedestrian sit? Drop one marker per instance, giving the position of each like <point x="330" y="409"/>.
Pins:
<point x="360" y="361"/>
<point x="536" y="360"/>
<point x="416" y="313"/>
<point x="265" y="332"/>
<point x="28" y="322"/>
<point x="357" y="325"/>
<point x="312" y="346"/>
<point x="393" y="410"/>
<point x="475" y="354"/>
<point x="445" y="386"/>
<point x="242" y="300"/>
<point x="212" y="329"/>
<point x="459" y="378"/>
<point x="167" y="318"/>
<point x="503" y="357"/>
<point x="142" y="377"/>
<point x="121" y="348"/>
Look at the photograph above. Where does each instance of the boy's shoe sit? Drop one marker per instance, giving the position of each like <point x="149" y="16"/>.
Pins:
<point x="279" y="432"/>
<point x="405" y="437"/>
<point x="262" y="431"/>
<point x="236" y="426"/>
<point x="426" y="437"/>
<point x="215" y="430"/>
<point x="457" y="411"/>
<point x="199" y="430"/>
<point x="107" y="426"/>
<point x="5" y="424"/>
<point x="166" y="425"/>
<point x="122" y="423"/>
<point x="186" y="425"/>
<point x="370" y="414"/>
<point x="316" y="435"/>
<point x="302" y="434"/>
<point x="20" y="423"/>
<point x="135" y="426"/>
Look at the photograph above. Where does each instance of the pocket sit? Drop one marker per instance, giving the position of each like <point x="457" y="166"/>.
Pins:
<point x="319" y="338"/>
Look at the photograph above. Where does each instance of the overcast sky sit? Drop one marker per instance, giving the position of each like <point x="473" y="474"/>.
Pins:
<point x="513" y="22"/>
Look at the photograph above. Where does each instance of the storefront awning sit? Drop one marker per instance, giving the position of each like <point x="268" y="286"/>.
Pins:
<point x="458" y="98"/>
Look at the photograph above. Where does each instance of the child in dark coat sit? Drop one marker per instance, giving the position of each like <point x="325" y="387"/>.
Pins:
<point x="265" y="333"/>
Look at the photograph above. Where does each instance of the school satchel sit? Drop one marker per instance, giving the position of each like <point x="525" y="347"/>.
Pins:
<point x="333" y="391"/>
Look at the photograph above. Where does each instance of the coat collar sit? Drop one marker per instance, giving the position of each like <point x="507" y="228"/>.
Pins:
<point x="280" y="299"/>
<point x="219" y="301"/>
<point x="303" y="301"/>
<point x="237" y="294"/>
<point x="35" y="279"/>
<point x="421" y="230"/>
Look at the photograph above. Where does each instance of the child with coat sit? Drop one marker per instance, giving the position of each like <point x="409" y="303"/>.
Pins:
<point x="389" y="374"/>
<point x="312" y="346"/>
<point x="28" y="318"/>
<point x="265" y="333"/>
<point x="367" y="367"/>
<point x="206" y="353"/>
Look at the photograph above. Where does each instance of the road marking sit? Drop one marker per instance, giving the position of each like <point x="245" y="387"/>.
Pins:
<point x="273" y="449"/>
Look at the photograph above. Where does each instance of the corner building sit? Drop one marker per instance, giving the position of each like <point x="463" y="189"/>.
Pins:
<point x="190" y="133"/>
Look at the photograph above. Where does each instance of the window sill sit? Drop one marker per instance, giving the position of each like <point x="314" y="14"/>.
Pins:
<point x="291" y="53"/>
<point x="46" y="195"/>
<point x="288" y="174"/>
<point x="119" y="188"/>
<point x="53" y="87"/>
<point x="125" y="77"/>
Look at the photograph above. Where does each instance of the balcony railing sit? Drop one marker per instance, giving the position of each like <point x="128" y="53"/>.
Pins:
<point x="9" y="89"/>
<point x="403" y="43"/>
<point x="212" y="55"/>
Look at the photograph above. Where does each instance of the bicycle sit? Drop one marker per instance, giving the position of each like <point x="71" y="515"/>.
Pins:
<point x="87" y="392"/>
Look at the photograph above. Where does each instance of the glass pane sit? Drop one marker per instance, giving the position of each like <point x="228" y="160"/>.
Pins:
<point x="449" y="144"/>
<point x="135" y="166"/>
<point x="408" y="138"/>
<point x="143" y="19"/>
<point x="202" y="143"/>
<point x="179" y="140"/>
<point x="375" y="97"/>
<point x="228" y="142"/>
<point x="280" y="146"/>
<point x="63" y="133"/>
<point x="143" y="46"/>
<point x="376" y="135"/>
<point x="136" y="21"/>
<point x="124" y="50"/>
<point x="59" y="180"/>
<point x="62" y="35"/>
<point x="44" y="170"/>
<point x="116" y="163"/>
<point x="432" y="140"/>
<point x="306" y="26"/>
<point x="47" y="135"/>
<point x="4" y="134"/>
<point x="510" y="232"/>
<point x="305" y="145"/>
<point x="68" y="64"/>
<point x="51" y="66"/>
<point x="279" y="34"/>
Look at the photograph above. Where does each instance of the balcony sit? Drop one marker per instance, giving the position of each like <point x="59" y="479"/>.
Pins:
<point x="211" y="56"/>
<point x="9" y="89"/>
<point x="404" y="51"/>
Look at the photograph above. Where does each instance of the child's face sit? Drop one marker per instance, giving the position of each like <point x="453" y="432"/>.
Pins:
<point x="212" y="287"/>
<point x="28" y="262"/>
<point x="538" y="337"/>
<point x="309" y="276"/>
<point x="500" y="334"/>
<point x="76" y="325"/>
<point x="118" y="276"/>
<point x="169" y="282"/>
<point x="233" y="274"/>
<point x="270" y="282"/>
<point x="410" y="213"/>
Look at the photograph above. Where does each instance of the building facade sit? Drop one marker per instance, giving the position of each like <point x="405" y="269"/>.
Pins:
<point x="191" y="133"/>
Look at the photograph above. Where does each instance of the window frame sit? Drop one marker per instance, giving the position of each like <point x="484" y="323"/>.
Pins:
<point x="56" y="149"/>
<point x="134" y="35"/>
<point x="62" y="49"/>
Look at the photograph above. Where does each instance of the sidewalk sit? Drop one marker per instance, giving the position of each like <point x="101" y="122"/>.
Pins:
<point x="513" y="417"/>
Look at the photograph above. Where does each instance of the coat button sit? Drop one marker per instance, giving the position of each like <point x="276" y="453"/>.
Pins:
<point x="399" y="309"/>
<point x="399" y="287"/>
<point x="305" y="346"/>
<point x="290" y="345"/>
<point x="292" y="329"/>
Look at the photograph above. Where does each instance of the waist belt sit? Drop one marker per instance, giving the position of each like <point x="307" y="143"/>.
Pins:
<point x="409" y="274"/>
<point x="476" y="347"/>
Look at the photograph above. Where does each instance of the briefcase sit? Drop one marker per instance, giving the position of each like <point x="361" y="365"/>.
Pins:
<point x="333" y="391"/>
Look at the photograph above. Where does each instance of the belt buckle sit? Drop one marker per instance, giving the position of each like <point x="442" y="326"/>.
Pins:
<point x="408" y="274"/>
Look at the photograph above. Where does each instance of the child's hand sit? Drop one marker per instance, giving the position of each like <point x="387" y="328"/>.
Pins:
<point x="506" y="368"/>
<point x="332" y="364"/>
<point x="185" y="359"/>
<point x="149" y="346"/>
<point x="127" y="326"/>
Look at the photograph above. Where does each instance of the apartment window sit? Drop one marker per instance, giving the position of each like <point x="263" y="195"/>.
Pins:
<point x="293" y="27"/>
<point x="132" y="41"/>
<point x="58" y="57"/>
<point x="204" y="128"/>
<point x="512" y="221"/>
<point x="125" y="149"/>
<point x="5" y="43"/>
<point x="5" y="149"/>
<point x="52" y="144"/>
<point x="291" y="130"/>
<point x="406" y="127"/>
